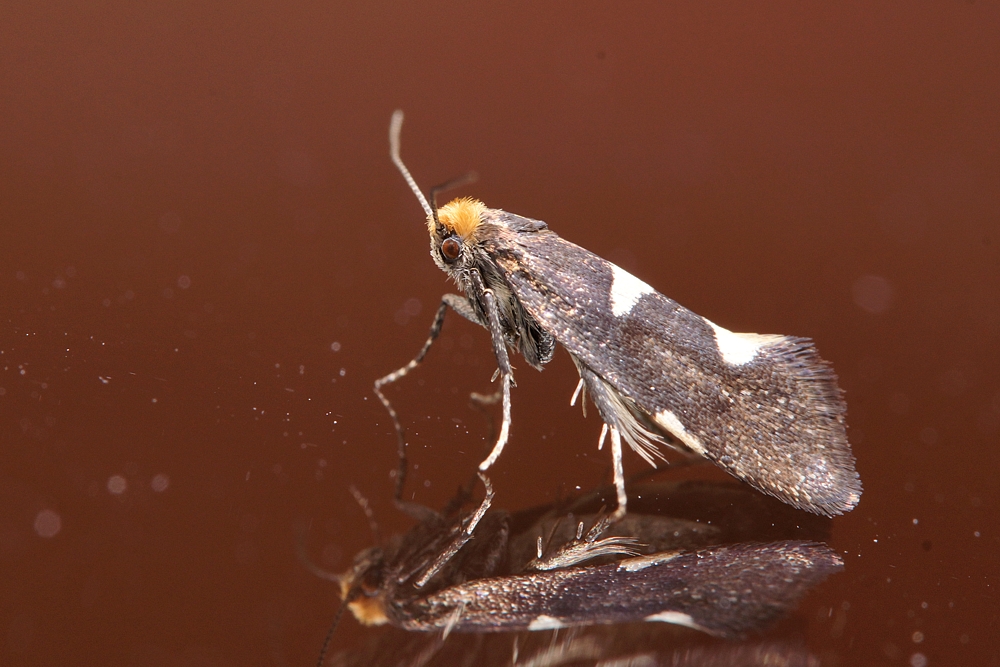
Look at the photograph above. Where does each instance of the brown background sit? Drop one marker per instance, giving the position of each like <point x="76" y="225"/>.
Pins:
<point x="197" y="202"/>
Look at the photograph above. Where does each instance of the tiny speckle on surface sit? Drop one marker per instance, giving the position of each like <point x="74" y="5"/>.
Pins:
<point x="117" y="484"/>
<point x="48" y="523"/>
<point x="872" y="293"/>
<point x="160" y="482"/>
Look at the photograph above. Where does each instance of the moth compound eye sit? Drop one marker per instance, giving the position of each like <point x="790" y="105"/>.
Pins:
<point x="451" y="248"/>
<point x="369" y="585"/>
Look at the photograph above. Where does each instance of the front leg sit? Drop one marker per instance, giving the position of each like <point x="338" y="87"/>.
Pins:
<point x="461" y="306"/>
<point x="503" y="364"/>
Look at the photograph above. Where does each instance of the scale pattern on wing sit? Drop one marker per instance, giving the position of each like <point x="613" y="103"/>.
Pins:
<point x="726" y="591"/>
<point x="776" y="422"/>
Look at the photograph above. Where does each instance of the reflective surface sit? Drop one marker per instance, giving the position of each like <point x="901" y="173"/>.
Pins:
<point x="207" y="258"/>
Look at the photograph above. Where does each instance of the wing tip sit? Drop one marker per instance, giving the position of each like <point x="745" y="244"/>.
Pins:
<point x="831" y="485"/>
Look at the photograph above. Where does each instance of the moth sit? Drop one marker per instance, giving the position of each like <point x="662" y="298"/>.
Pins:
<point x="765" y="408"/>
<point x="525" y="572"/>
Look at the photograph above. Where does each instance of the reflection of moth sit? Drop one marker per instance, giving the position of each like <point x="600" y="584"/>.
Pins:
<point x="643" y="568"/>
<point x="765" y="408"/>
<point x="725" y="591"/>
<point x="643" y="645"/>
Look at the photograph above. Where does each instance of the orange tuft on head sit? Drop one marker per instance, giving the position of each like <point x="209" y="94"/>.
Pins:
<point x="461" y="216"/>
<point x="367" y="610"/>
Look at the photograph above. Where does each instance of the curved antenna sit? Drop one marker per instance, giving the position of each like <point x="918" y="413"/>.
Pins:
<point x="369" y="514"/>
<point x="395" y="126"/>
<point x="303" y="555"/>
<point x="464" y="179"/>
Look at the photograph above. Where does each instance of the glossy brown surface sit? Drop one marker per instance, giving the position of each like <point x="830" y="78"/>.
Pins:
<point x="206" y="258"/>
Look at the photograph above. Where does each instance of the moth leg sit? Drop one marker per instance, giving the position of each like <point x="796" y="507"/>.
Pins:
<point x="503" y="367"/>
<point x="577" y="393"/>
<point x="478" y="401"/>
<point x="616" y="461"/>
<point x="612" y="416"/>
<point x="585" y="548"/>
<point x="622" y="419"/>
<point x="460" y="306"/>
<point x="481" y="403"/>
<point x="464" y="535"/>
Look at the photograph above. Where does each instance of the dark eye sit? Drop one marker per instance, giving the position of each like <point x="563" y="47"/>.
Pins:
<point x="451" y="248"/>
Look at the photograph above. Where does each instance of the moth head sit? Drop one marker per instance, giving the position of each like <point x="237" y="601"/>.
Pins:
<point x="453" y="226"/>
<point x="362" y="587"/>
<point x="453" y="232"/>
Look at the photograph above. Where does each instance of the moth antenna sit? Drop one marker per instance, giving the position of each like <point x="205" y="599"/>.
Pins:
<point x="464" y="179"/>
<point x="395" y="126"/>
<point x="303" y="556"/>
<point x="369" y="514"/>
<point x="329" y="635"/>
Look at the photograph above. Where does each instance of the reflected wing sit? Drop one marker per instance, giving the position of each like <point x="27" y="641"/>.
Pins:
<point x="725" y="591"/>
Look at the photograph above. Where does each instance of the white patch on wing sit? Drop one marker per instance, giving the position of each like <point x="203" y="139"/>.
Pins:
<point x="544" y="622"/>
<point x="642" y="562"/>
<point x="739" y="348"/>
<point x="626" y="290"/>
<point x="675" y="617"/>
<point x="670" y="423"/>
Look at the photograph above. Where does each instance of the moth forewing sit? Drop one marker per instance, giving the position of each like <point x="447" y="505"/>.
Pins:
<point x="766" y="408"/>
<point x="725" y="591"/>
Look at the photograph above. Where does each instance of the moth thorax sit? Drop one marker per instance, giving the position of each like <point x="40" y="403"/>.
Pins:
<point x="460" y="216"/>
